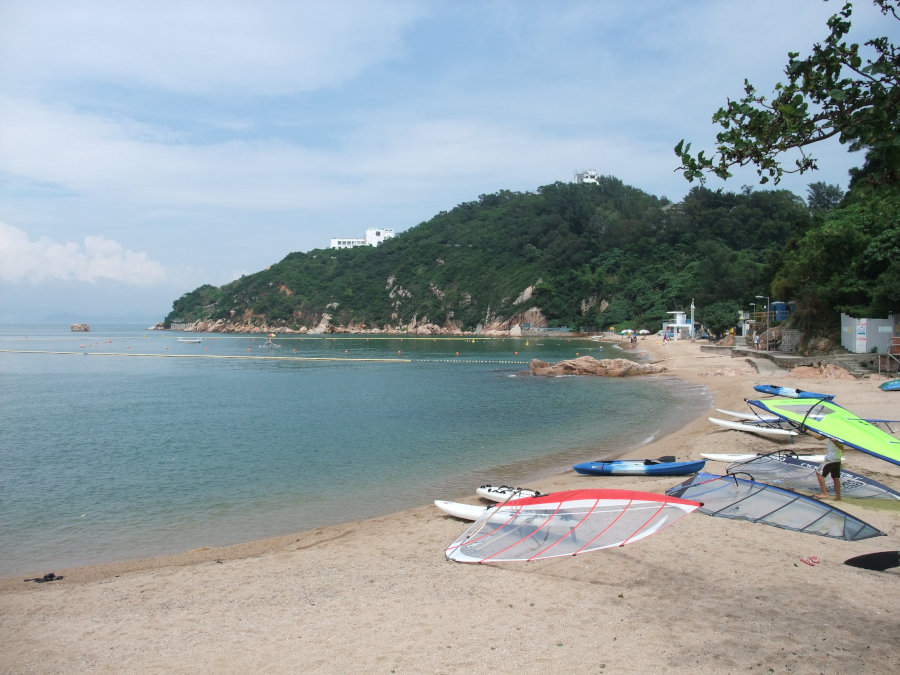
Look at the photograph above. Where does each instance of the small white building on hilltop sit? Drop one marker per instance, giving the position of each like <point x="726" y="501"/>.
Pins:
<point x="374" y="236"/>
<point x="587" y="176"/>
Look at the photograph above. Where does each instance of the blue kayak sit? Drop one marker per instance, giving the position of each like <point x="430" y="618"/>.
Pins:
<point x="639" y="467"/>
<point x="790" y="392"/>
<point x="891" y="385"/>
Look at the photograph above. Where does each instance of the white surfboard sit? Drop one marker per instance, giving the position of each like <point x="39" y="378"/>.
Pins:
<point x="754" y="428"/>
<point x="743" y="458"/>
<point x="749" y="416"/>
<point x="460" y="510"/>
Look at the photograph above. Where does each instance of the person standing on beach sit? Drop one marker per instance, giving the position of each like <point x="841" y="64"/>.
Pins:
<point x="831" y="467"/>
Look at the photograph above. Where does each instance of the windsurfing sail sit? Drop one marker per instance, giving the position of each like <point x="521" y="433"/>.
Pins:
<point x="565" y="523"/>
<point x="743" y="499"/>
<point x="827" y="418"/>
<point x="796" y="473"/>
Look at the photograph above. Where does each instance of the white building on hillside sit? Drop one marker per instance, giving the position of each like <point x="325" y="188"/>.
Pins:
<point x="347" y="243"/>
<point x="374" y="236"/>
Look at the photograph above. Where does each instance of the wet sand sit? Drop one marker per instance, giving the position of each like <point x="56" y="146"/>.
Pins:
<point x="706" y="595"/>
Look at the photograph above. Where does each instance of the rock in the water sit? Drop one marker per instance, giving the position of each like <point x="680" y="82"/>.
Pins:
<point x="588" y="365"/>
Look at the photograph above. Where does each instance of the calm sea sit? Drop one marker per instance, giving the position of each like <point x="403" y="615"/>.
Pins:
<point x="126" y="443"/>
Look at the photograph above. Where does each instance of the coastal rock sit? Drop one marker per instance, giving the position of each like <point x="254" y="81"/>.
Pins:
<point x="588" y="365"/>
<point x="80" y="328"/>
<point x="727" y="372"/>
<point x="827" y="372"/>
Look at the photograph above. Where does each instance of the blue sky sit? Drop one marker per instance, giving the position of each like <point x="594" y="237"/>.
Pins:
<point x="147" y="148"/>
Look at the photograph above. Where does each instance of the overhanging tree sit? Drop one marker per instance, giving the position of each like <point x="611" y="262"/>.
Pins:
<point x="837" y="91"/>
<point x="847" y="261"/>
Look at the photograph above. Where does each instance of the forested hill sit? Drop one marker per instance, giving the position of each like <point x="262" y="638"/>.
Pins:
<point x="594" y="255"/>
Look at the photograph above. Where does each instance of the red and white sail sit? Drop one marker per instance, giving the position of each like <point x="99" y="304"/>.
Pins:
<point x="566" y="523"/>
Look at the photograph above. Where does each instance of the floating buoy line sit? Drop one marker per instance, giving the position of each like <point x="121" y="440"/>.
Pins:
<point x="247" y="357"/>
<point x="244" y="357"/>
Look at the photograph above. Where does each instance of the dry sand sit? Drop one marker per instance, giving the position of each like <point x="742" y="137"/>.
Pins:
<point x="706" y="595"/>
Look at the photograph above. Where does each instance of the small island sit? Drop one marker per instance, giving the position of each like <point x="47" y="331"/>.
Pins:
<point x="80" y="328"/>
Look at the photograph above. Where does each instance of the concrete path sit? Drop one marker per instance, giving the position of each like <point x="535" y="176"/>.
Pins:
<point x="767" y="368"/>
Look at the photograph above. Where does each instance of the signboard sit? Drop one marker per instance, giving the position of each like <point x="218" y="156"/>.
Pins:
<point x="860" y="336"/>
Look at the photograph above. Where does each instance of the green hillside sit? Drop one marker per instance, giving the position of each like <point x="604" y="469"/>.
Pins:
<point x="595" y="254"/>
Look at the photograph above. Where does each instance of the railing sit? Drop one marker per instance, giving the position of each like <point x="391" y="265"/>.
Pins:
<point x="892" y="362"/>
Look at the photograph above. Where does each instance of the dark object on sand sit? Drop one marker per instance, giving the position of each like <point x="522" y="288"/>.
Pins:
<point x="50" y="576"/>
<point x="881" y="561"/>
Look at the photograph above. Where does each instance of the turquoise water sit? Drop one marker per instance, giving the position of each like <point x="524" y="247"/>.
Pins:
<point x="123" y="443"/>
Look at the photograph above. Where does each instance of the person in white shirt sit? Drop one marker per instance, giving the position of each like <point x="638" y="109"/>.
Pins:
<point x="831" y="467"/>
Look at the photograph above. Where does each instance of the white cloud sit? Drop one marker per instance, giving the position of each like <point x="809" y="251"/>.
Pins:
<point x="96" y="259"/>
<point x="263" y="47"/>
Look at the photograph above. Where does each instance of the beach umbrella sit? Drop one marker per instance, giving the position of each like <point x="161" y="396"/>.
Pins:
<point x="627" y="331"/>
<point x="644" y="331"/>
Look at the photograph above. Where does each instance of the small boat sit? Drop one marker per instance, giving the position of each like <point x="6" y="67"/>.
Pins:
<point x="891" y="385"/>
<point x="790" y="392"/>
<point x="191" y="340"/>
<point x="500" y="493"/>
<point x="639" y="467"/>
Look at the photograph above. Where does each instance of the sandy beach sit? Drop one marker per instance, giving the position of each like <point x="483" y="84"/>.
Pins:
<point x="705" y="595"/>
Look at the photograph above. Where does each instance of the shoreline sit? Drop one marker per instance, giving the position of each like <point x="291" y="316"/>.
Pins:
<point x="711" y="594"/>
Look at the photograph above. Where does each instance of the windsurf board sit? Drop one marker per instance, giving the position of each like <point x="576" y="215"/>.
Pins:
<point x="755" y="428"/>
<point x="718" y="457"/>
<point x="460" y="510"/>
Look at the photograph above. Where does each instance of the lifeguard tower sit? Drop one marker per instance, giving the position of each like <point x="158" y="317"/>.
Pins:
<point x="679" y="327"/>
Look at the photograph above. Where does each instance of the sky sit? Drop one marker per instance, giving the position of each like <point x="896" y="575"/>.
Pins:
<point x="147" y="148"/>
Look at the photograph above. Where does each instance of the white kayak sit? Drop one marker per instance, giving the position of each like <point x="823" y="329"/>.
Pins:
<point x="460" y="510"/>
<point x="743" y="458"/>
<point x="500" y="493"/>
<point x="754" y="428"/>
